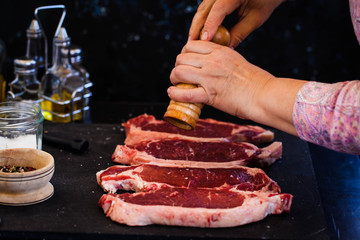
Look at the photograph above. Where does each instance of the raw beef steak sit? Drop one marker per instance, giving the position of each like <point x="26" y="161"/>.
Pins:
<point x="198" y="153"/>
<point x="146" y="127"/>
<point x="193" y="207"/>
<point x="147" y="177"/>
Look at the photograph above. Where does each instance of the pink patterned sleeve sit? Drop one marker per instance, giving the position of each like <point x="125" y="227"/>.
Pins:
<point x="329" y="115"/>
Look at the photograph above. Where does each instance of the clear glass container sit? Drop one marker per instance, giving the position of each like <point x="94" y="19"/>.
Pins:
<point x="35" y="47"/>
<point x="62" y="87"/>
<point x="76" y="61"/>
<point x="25" y="86"/>
<point x="2" y="80"/>
<point x="21" y="125"/>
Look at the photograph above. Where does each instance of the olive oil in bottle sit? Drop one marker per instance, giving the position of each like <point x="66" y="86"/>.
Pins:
<point x="2" y="79"/>
<point x="63" y="85"/>
<point x="2" y="88"/>
<point x="76" y="61"/>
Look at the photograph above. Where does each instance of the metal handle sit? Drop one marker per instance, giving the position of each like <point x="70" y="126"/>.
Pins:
<point x="42" y="28"/>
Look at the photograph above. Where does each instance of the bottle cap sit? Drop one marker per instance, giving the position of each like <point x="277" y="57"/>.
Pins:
<point x="75" y="53"/>
<point x="34" y="30"/>
<point x="62" y="37"/>
<point x="24" y="65"/>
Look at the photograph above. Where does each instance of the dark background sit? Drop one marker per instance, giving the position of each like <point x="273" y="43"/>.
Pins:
<point x="130" y="46"/>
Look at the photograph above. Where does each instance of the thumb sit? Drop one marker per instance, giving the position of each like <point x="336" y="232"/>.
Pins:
<point x="242" y="29"/>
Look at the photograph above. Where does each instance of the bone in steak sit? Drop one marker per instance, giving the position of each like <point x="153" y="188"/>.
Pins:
<point x="198" y="153"/>
<point x="193" y="207"/>
<point x="146" y="127"/>
<point x="147" y="177"/>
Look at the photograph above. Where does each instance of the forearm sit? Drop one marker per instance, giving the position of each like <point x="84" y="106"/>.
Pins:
<point x="274" y="103"/>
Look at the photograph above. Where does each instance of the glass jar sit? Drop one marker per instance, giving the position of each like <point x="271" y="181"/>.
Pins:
<point x="21" y="125"/>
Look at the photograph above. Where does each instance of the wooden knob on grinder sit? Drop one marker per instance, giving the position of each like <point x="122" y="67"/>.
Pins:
<point x="185" y="115"/>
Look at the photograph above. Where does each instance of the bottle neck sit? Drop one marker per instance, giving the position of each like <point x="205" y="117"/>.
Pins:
<point x="35" y="50"/>
<point x="59" y="59"/>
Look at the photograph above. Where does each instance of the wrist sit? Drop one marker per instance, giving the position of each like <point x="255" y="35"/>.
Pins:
<point x="259" y="107"/>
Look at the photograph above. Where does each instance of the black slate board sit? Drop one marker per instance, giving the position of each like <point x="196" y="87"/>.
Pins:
<point x="72" y="212"/>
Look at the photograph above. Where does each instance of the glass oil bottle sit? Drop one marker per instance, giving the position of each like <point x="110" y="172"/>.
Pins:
<point x="62" y="87"/>
<point x="35" y="47"/>
<point x="2" y="79"/>
<point x="25" y="86"/>
<point x="76" y="61"/>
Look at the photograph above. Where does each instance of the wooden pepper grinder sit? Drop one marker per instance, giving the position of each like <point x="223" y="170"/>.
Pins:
<point x="185" y="115"/>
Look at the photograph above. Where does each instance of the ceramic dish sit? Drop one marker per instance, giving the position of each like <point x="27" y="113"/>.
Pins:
<point x="26" y="188"/>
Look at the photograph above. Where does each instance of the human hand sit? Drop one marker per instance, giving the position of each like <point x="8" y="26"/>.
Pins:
<point x="211" y="13"/>
<point x="224" y="78"/>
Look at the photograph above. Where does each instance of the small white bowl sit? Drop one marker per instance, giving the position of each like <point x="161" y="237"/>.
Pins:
<point x="26" y="188"/>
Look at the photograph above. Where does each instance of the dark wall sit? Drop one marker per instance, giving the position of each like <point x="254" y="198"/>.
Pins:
<point x="130" y="46"/>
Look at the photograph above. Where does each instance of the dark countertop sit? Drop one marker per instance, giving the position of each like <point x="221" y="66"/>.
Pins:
<point x="338" y="177"/>
<point x="337" y="174"/>
<point x="325" y="186"/>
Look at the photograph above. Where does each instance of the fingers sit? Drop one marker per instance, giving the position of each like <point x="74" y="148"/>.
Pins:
<point x="213" y="21"/>
<point x="199" y="18"/>
<point x="242" y="29"/>
<point x="191" y="59"/>
<point x="185" y="74"/>
<point x="199" y="47"/>
<point x="194" y="66"/>
<point x="210" y="15"/>
<point x="195" y="95"/>
<point x="191" y="63"/>
<point x="219" y="11"/>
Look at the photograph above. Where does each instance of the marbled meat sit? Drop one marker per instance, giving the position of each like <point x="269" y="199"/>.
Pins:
<point x="148" y="177"/>
<point x="194" y="207"/>
<point x="197" y="153"/>
<point x="146" y="127"/>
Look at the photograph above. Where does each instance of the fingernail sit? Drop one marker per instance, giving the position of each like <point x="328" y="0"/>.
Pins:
<point x="204" y="35"/>
<point x="168" y="91"/>
<point x="188" y="39"/>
